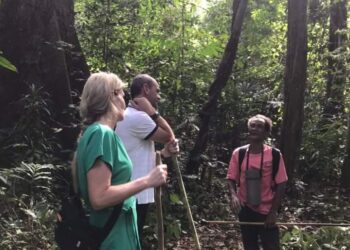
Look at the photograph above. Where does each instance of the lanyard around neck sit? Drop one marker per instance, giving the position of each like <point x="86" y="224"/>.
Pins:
<point x="262" y="159"/>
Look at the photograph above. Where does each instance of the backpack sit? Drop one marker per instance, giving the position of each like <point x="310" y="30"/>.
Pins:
<point x="73" y="230"/>
<point x="276" y="155"/>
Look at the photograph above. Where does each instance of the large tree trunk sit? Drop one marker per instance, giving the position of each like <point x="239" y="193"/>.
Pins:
<point x="294" y="84"/>
<point x="336" y="67"/>
<point x="222" y="75"/>
<point x="39" y="38"/>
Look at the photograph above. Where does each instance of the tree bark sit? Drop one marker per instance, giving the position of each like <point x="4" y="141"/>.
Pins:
<point x="39" y="38"/>
<point x="222" y="75"/>
<point x="294" y="84"/>
<point x="345" y="174"/>
<point x="336" y="67"/>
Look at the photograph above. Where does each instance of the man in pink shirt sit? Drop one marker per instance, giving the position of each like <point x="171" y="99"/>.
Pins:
<point x="259" y="190"/>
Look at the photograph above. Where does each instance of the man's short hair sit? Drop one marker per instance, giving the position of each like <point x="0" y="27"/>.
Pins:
<point x="138" y="82"/>
<point x="267" y="121"/>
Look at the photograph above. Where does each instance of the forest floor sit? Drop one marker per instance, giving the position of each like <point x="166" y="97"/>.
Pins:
<point x="312" y="203"/>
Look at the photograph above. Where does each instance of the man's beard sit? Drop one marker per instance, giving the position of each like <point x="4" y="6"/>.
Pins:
<point x="155" y="105"/>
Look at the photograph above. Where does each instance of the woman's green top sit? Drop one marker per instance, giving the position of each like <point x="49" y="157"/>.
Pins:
<point x="100" y="142"/>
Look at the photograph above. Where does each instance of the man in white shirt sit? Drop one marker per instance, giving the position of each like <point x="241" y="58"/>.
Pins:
<point x="141" y="127"/>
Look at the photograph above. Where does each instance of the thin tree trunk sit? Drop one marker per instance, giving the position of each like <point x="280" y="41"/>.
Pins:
<point x="345" y="174"/>
<point x="336" y="67"/>
<point x="294" y="84"/>
<point x="222" y="75"/>
<point x="337" y="75"/>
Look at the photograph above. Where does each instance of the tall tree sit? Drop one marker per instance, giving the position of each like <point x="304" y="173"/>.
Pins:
<point x="294" y="84"/>
<point x="39" y="38"/>
<point x="222" y="75"/>
<point x="336" y="63"/>
<point x="337" y="74"/>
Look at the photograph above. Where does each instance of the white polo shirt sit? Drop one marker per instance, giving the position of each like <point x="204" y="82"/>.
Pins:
<point x="134" y="131"/>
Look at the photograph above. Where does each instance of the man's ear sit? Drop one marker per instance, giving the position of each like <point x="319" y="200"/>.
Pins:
<point x="145" y="88"/>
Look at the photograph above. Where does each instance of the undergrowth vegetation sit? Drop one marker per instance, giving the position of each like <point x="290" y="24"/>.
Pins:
<point x="30" y="194"/>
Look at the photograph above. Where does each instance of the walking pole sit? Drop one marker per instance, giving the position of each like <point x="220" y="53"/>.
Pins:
<point x="287" y="224"/>
<point x="185" y="201"/>
<point x="158" y="197"/>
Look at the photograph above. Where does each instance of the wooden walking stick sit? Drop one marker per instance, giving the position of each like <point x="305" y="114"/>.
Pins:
<point x="158" y="198"/>
<point x="287" y="224"/>
<point x="185" y="201"/>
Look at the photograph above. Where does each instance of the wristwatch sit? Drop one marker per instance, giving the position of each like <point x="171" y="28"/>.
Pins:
<point x="155" y="116"/>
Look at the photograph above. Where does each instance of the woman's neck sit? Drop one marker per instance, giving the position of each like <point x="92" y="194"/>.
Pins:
<point x="108" y="121"/>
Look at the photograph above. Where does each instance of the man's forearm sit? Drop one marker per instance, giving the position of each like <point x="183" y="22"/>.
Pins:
<point x="234" y="200"/>
<point x="276" y="202"/>
<point x="232" y="186"/>
<point x="162" y="123"/>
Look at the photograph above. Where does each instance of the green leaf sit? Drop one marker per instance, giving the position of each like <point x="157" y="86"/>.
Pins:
<point x="6" y="64"/>
<point x="30" y="213"/>
<point x="174" y="198"/>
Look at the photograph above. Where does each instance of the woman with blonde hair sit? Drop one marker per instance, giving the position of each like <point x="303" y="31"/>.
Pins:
<point x="103" y="168"/>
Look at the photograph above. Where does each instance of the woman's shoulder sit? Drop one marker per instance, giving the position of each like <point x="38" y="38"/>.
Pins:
<point x="98" y="130"/>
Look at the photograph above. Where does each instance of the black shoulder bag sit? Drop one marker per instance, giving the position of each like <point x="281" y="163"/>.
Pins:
<point x="73" y="230"/>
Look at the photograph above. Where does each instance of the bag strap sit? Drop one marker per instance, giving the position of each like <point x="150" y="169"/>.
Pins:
<point x="241" y="153"/>
<point x="276" y="155"/>
<point x="115" y="213"/>
<point x="111" y="221"/>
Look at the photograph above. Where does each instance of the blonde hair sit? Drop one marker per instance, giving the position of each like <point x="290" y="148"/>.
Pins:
<point x="96" y="97"/>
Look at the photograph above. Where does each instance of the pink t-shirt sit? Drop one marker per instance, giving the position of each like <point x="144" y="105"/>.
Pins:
<point x="267" y="192"/>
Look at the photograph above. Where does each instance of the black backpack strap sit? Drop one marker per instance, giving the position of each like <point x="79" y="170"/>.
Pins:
<point x="111" y="221"/>
<point x="276" y="155"/>
<point x="241" y="153"/>
<point x="112" y="218"/>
